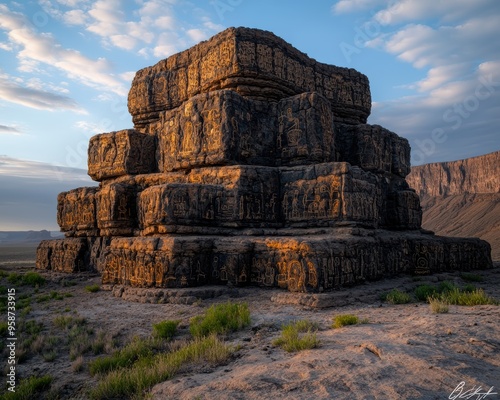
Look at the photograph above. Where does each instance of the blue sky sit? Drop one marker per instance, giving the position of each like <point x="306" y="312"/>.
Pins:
<point x="66" y="67"/>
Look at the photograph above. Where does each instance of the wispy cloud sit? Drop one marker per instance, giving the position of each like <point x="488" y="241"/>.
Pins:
<point x="455" y="43"/>
<point x="18" y="168"/>
<point x="43" y="48"/>
<point x="32" y="95"/>
<point x="9" y="130"/>
<point x="152" y="29"/>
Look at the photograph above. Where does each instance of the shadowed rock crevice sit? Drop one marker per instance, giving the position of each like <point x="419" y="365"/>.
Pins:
<point x="250" y="164"/>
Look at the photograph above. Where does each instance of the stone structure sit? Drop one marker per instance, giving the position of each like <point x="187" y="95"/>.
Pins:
<point x="249" y="164"/>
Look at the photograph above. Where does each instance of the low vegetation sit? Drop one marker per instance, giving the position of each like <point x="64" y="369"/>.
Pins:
<point x="30" y="278"/>
<point x="123" y="358"/>
<point x="396" y="296"/>
<point x="165" y="329"/>
<point x="220" y="319"/>
<point x="468" y="277"/>
<point x="297" y="336"/>
<point x="347" y="319"/>
<point x="447" y="293"/>
<point x="147" y="371"/>
<point x="437" y="305"/>
<point x="142" y="363"/>
<point x="30" y="389"/>
<point x="92" y="288"/>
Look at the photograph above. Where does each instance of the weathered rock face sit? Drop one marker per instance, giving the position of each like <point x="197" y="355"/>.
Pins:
<point x="119" y="153"/>
<point x="253" y="63"/>
<point x="250" y="163"/>
<point x="462" y="198"/>
<point x="472" y="175"/>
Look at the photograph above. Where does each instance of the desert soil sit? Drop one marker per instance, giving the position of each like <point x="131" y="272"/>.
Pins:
<point x="403" y="352"/>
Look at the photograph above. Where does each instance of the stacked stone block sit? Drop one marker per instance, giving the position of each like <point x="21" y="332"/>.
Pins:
<point x="249" y="164"/>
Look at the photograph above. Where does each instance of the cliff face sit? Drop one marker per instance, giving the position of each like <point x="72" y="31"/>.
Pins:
<point x="473" y="175"/>
<point x="461" y="198"/>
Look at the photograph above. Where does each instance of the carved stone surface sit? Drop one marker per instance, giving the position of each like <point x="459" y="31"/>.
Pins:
<point x="251" y="165"/>
<point x="116" y="209"/>
<point x="330" y="194"/>
<point x="253" y="63"/>
<point x="373" y="148"/>
<point x="313" y="263"/>
<point x="215" y="128"/>
<point x="76" y="211"/>
<point x="247" y="198"/>
<point x="120" y="153"/>
<point x="224" y="128"/>
<point x="71" y="254"/>
<point x="305" y="132"/>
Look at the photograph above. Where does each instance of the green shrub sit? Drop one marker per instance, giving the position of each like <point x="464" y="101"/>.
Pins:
<point x="129" y="382"/>
<point x="347" y="319"/>
<point x="125" y="357"/>
<point x="446" y="286"/>
<point x="396" y="296"/>
<point x="92" y="288"/>
<point x="67" y="321"/>
<point x="49" y="356"/>
<point x="30" y="327"/>
<point x="220" y="318"/>
<point x="29" y="278"/>
<point x="468" y="277"/>
<point x="33" y="279"/>
<point x="29" y="389"/>
<point x="165" y="329"/>
<point x="469" y="298"/>
<point x="297" y="336"/>
<point x="423" y="292"/>
<point x="4" y="328"/>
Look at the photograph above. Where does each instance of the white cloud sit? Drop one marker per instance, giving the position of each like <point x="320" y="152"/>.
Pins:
<point x="197" y="35"/>
<point x="402" y="11"/>
<point x="90" y="128"/>
<point x="128" y="76"/>
<point x="123" y="41"/>
<point x="9" y="130"/>
<point x="35" y="97"/>
<point x="6" y="47"/>
<point x="43" y="48"/>
<point x="456" y="42"/>
<point x="348" y="6"/>
<point x="75" y="17"/>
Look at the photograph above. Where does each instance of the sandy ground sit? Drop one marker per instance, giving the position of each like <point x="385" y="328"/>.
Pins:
<point x="404" y="352"/>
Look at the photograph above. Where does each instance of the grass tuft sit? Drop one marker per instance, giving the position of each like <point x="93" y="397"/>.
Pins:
<point x="297" y="336"/>
<point x="30" y="388"/>
<point x="347" y="319"/>
<point x="438" y="306"/>
<point x="396" y="296"/>
<point x="468" y="277"/>
<point x="220" y="319"/>
<point x="125" y="357"/>
<point x="30" y="278"/>
<point x="423" y="292"/>
<point x="92" y="288"/>
<point x="165" y="329"/>
<point x="145" y="373"/>
<point x="467" y="298"/>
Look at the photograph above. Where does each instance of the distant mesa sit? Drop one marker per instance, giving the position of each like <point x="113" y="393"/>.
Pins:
<point x="461" y="198"/>
<point x="249" y="164"/>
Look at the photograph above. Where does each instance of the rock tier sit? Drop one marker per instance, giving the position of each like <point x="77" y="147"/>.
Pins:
<point x="249" y="163"/>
